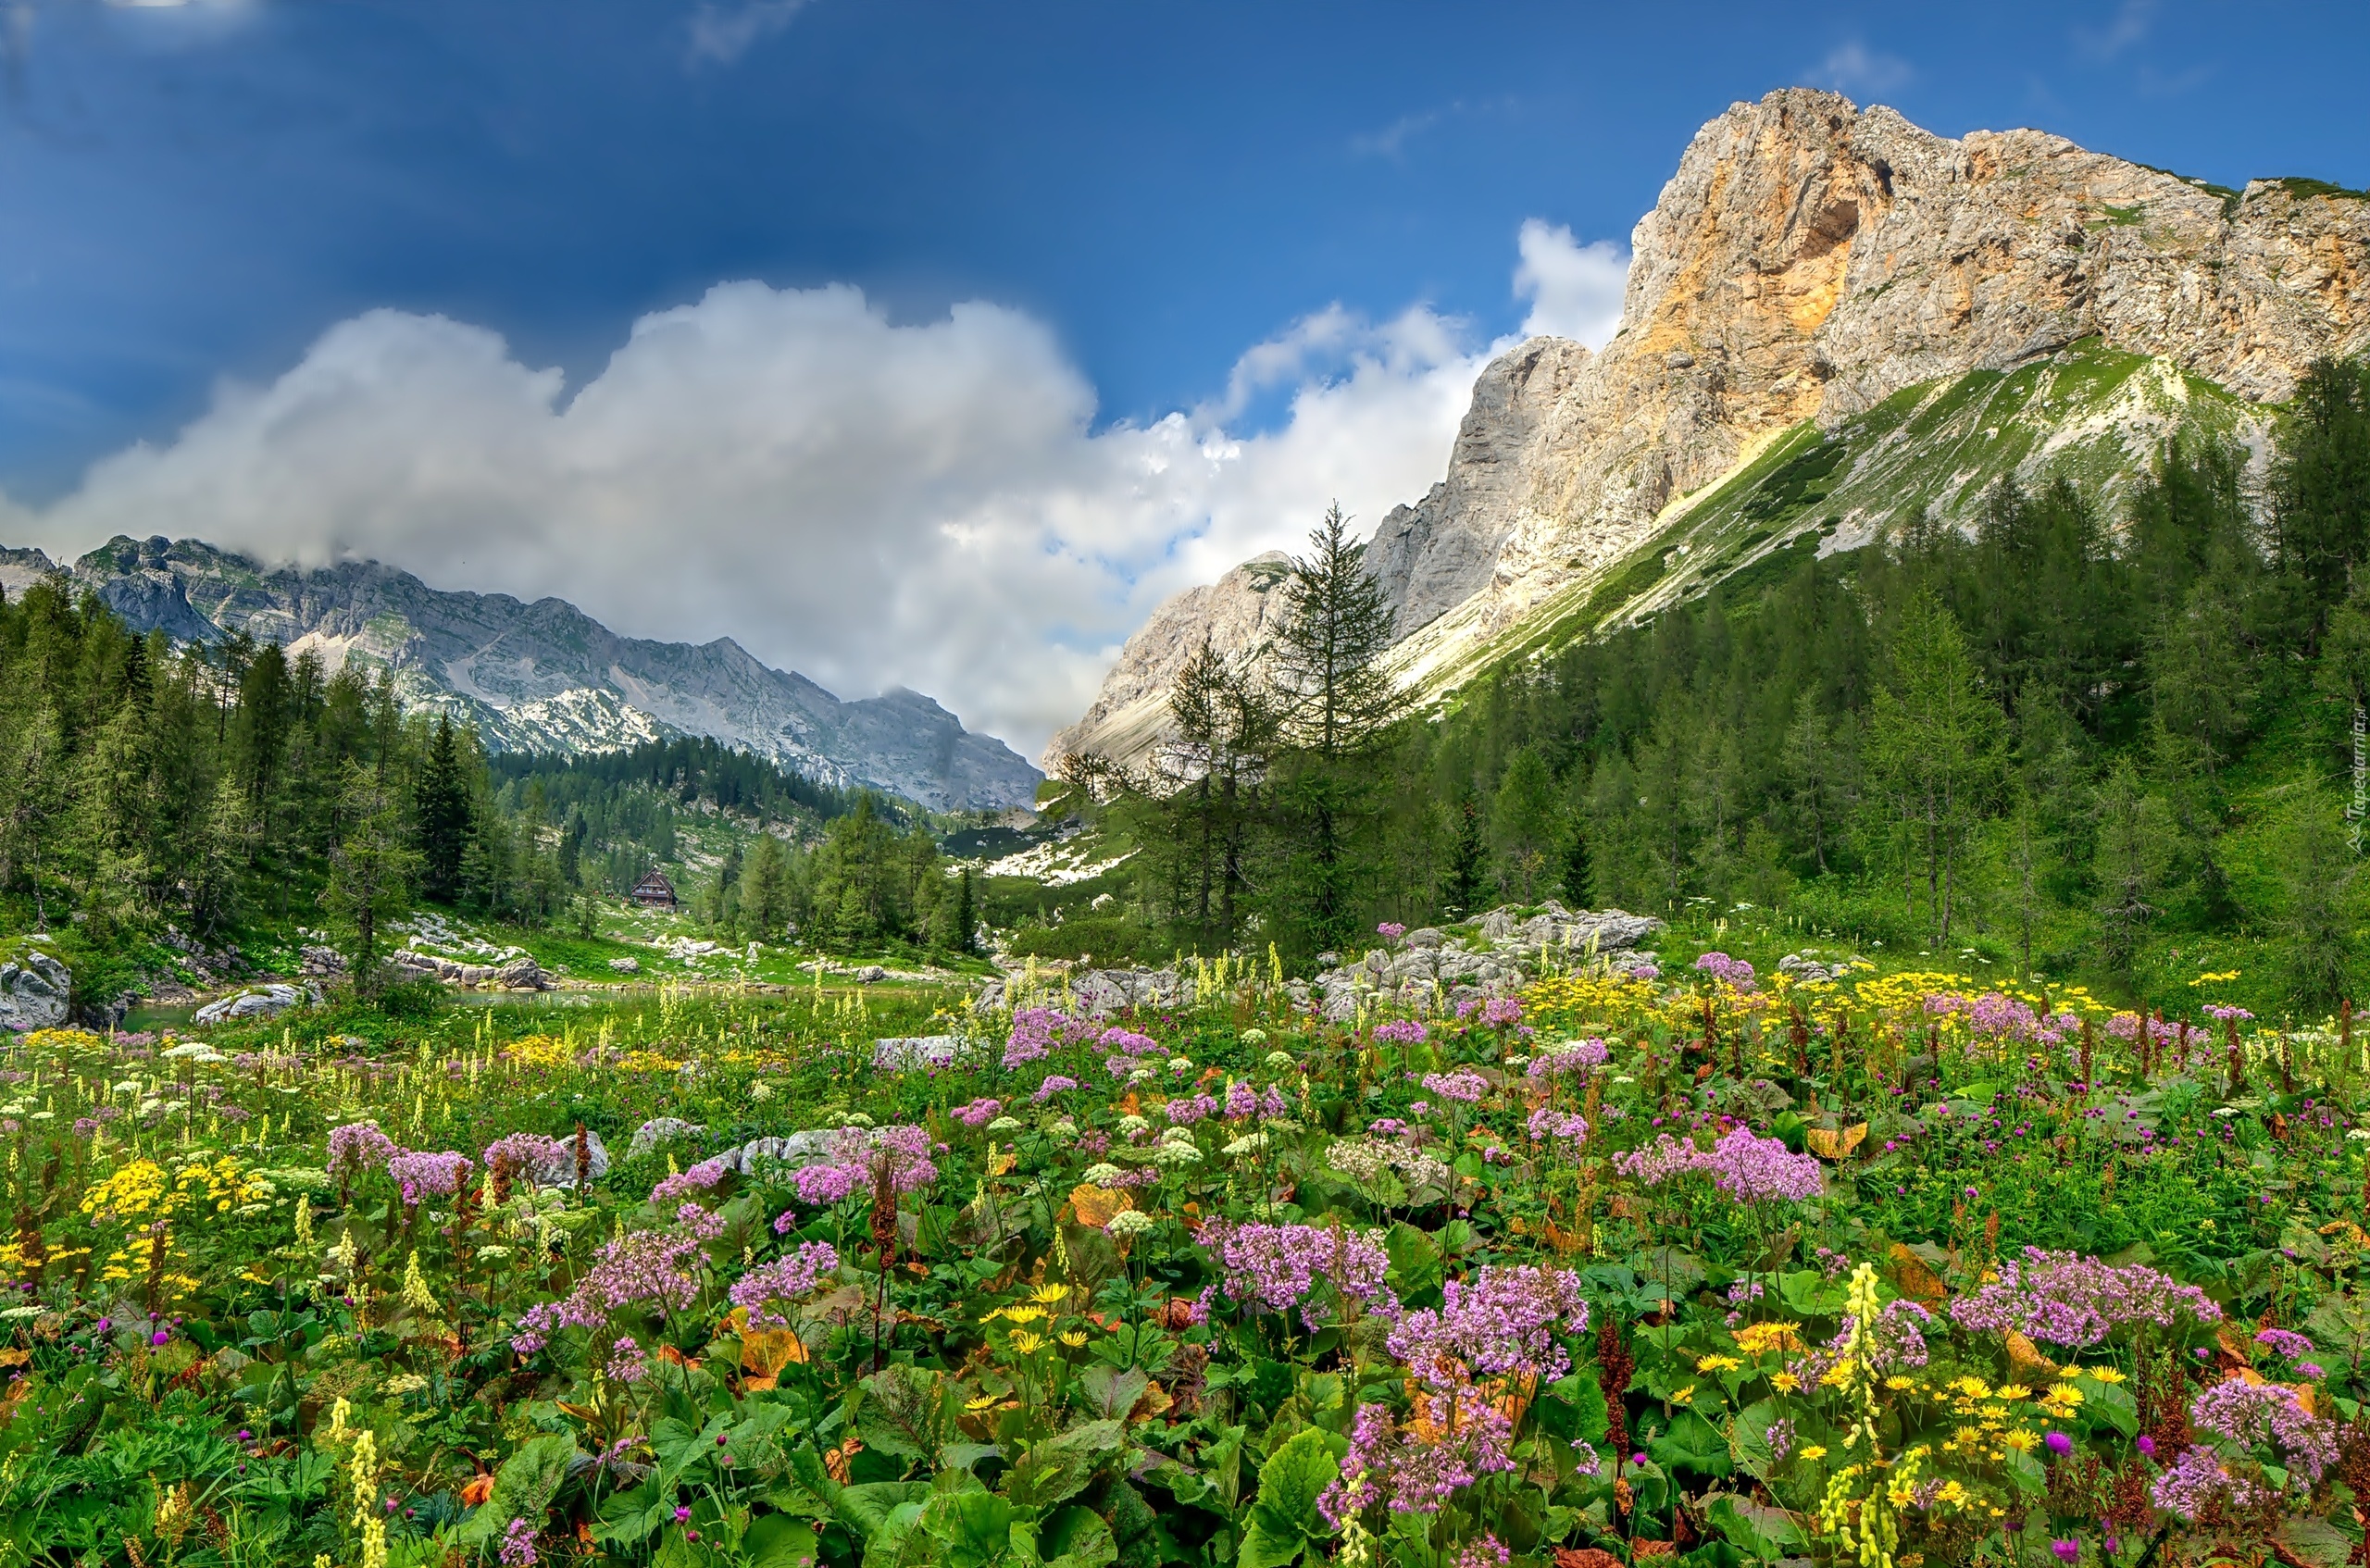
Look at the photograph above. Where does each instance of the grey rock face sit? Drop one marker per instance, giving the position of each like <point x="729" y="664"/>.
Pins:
<point x="1130" y="713"/>
<point x="34" y="995"/>
<point x="1808" y="259"/>
<point x="905" y="1054"/>
<point x="545" y="676"/>
<point x="626" y="966"/>
<point x="798" y="1150"/>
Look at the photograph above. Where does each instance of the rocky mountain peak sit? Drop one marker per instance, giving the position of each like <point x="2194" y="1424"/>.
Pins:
<point x="1809" y="260"/>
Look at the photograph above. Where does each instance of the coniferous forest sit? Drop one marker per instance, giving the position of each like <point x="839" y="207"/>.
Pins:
<point x="2090" y="743"/>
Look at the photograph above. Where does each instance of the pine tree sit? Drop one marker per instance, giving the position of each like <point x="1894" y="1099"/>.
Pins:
<point x="2320" y="907"/>
<point x="1934" y="743"/>
<point x="370" y="870"/>
<point x="441" y="817"/>
<point x="1525" y="822"/>
<point x="1338" y="700"/>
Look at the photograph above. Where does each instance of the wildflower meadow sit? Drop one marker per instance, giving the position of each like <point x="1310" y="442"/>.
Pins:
<point x="1637" y="1261"/>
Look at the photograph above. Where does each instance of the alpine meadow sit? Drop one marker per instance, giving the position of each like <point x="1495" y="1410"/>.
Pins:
<point x="1766" y="975"/>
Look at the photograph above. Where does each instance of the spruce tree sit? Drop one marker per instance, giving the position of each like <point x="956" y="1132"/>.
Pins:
<point x="441" y="817"/>
<point x="1337" y="701"/>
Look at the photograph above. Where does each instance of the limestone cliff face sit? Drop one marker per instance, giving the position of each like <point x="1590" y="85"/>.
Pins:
<point x="1808" y="259"/>
<point x="1131" y="710"/>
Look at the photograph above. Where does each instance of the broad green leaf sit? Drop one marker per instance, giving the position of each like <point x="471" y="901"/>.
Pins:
<point x="1283" y="1516"/>
<point x="1077" y="1537"/>
<point x="780" y="1541"/>
<point x="1060" y="1467"/>
<point x="1691" y="1444"/>
<point x="523" y="1487"/>
<point x="905" y="1412"/>
<point x="864" y="1509"/>
<point x="1754" y="1528"/>
<point x="974" y="1528"/>
<point x="2314" y="1542"/>
<point x="1414" y="1260"/>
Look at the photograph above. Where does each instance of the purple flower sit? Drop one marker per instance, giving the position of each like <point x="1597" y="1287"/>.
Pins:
<point x="519" y="1545"/>
<point x="160" y="1338"/>
<point x="1502" y="1012"/>
<point x="1401" y="1031"/>
<point x="1576" y="1056"/>
<point x="439" y="1174"/>
<point x="2066" y="1551"/>
<point x="699" y="1178"/>
<point x="2284" y="1344"/>
<point x="359" y="1147"/>
<point x="1463" y="1085"/>
<point x="2059" y="1444"/>
<point x="1733" y="972"/>
<point x="1747" y="1168"/>
<point x="1183" y="1110"/>
<point x="1501" y="1321"/>
<point x="1391" y="930"/>
<point x="1273" y="1267"/>
<point x="2147" y="1444"/>
<point x="1055" y="1083"/>
<point x="1034" y="1030"/>
<point x="545" y="1162"/>
<point x="2068" y="1300"/>
<point x="1547" y="1123"/>
<point x="978" y="1113"/>
<point x="784" y="1279"/>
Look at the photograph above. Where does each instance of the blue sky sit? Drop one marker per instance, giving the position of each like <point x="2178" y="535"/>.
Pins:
<point x="199" y="197"/>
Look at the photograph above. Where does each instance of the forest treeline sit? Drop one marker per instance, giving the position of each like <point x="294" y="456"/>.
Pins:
<point x="2076" y="736"/>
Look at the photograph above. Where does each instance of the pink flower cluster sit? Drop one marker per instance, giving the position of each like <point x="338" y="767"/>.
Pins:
<point x="1243" y="1102"/>
<point x="859" y="1157"/>
<point x="1391" y="930"/>
<point x="544" y="1161"/>
<point x="640" y="1269"/>
<point x="699" y="1178"/>
<point x="1054" y="1085"/>
<point x="359" y="1147"/>
<point x="1502" y="1012"/>
<point x="1463" y="1085"/>
<point x="1501" y="1321"/>
<point x="978" y="1113"/>
<point x="784" y="1279"/>
<point x="424" y="1174"/>
<point x="1732" y="972"/>
<point x="1577" y="1056"/>
<point x="1183" y="1110"/>
<point x="2066" y="1298"/>
<point x="1548" y="1124"/>
<point x="1401" y="1031"/>
<point x="1035" y="1032"/>
<point x="1273" y="1267"/>
<point x="1996" y="1016"/>
<point x="2260" y="1421"/>
<point x="1749" y="1169"/>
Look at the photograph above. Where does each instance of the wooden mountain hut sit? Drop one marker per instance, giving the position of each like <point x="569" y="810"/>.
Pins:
<point x="654" y="891"/>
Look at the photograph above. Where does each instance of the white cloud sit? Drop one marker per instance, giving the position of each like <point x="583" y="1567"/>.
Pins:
<point x="722" y="33"/>
<point x="872" y="504"/>
<point x="2131" y="25"/>
<point x="1853" y="67"/>
<point x="1574" y="290"/>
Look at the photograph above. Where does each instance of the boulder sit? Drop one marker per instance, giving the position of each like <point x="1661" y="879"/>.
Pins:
<point x="316" y="960"/>
<point x="905" y="1054"/>
<point x="626" y="966"/>
<point x="871" y="975"/>
<point x="264" y="1002"/>
<point x="523" y="975"/>
<point x="798" y="1150"/>
<point x="596" y="1159"/>
<point x="659" y="1131"/>
<point x="34" y="994"/>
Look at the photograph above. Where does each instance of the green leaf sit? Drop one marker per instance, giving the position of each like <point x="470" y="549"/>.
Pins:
<point x="2315" y="1542"/>
<point x="1283" y="1516"/>
<point x="1060" y="1467"/>
<point x="2111" y="1402"/>
<point x="906" y="1411"/>
<point x="522" y="1488"/>
<point x="1754" y="1528"/>
<point x="1691" y="1444"/>
<point x="1111" y="1392"/>
<point x="1811" y="1294"/>
<point x="1077" y="1537"/>
<point x="974" y="1529"/>
<point x="1414" y="1260"/>
<point x="865" y="1507"/>
<point x="780" y="1541"/>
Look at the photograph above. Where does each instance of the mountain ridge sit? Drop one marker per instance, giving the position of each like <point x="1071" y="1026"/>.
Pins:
<point x="543" y="674"/>
<point x="1808" y="263"/>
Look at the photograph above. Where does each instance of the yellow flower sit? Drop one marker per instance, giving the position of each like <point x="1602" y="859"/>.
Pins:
<point x="2065" y="1394"/>
<point x="1973" y="1387"/>
<point x="983" y="1402"/>
<point x="1897" y="1383"/>
<point x="1683" y="1395"/>
<point x="1760" y="1338"/>
<point x="2014" y="1391"/>
<point x="1028" y="1344"/>
<point x="2021" y="1441"/>
<point x="2102" y="1374"/>
<point x="1718" y="1363"/>
<point x="1074" y="1337"/>
<point x="1785" y="1382"/>
<point x="1024" y="1314"/>
<point x="1812" y="1451"/>
<point x="1050" y="1294"/>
